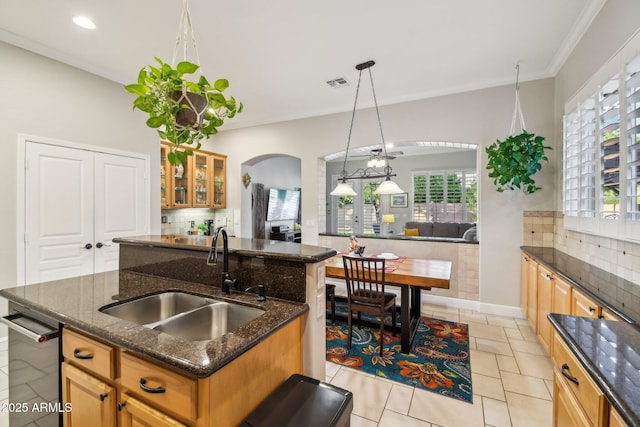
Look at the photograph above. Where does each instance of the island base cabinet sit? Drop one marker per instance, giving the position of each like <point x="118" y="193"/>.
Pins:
<point x="566" y="409"/>
<point x="133" y="413"/>
<point x="92" y="402"/>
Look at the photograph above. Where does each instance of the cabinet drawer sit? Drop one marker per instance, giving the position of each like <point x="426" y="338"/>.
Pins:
<point x="88" y="353"/>
<point x="163" y="388"/>
<point x="567" y="412"/>
<point x="582" y="305"/>
<point x="585" y="390"/>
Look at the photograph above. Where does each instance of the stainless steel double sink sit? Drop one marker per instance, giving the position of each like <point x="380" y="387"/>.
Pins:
<point x="186" y="316"/>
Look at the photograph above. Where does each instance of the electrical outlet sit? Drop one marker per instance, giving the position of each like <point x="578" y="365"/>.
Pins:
<point x="320" y="308"/>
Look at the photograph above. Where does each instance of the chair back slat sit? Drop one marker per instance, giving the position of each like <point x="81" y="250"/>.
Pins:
<point x="364" y="279"/>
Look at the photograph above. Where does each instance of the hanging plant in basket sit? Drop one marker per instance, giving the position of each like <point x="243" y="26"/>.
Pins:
<point x="514" y="160"/>
<point x="183" y="111"/>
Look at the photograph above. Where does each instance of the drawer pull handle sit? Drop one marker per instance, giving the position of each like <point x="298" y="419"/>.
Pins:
<point x="103" y="396"/>
<point x="77" y="355"/>
<point x="143" y="386"/>
<point x="568" y="376"/>
<point x="591" y="309"/>
<point x="121" y="405"/>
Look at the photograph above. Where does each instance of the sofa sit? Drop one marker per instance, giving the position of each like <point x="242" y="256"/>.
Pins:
<point x="454" y="230"/>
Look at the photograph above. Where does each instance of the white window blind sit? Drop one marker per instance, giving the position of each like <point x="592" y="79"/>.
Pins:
<point x="609" y="137"/>
<point x="632" y="84"/>
<point x="445" y="196"/>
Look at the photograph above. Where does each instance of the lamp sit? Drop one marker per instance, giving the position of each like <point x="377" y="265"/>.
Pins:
<point x="387" y="186"/>
<point x="388" y="219"/>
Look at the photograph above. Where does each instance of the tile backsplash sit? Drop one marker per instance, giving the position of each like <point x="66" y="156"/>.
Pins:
<point x="178" y="221"/>
<point x="619" y="257"/>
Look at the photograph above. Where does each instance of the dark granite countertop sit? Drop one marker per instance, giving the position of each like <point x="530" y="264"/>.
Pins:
<point x="75" y="302"/>
<point x="620" y="296"/>
<point x="610" y="352"/>
<point x="275" y="249"/>
<point x="409" y="238"/>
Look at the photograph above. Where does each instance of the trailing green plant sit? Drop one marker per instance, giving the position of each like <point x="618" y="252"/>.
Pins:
<point x="158" y="91"/>
<point x="514" y="160"/>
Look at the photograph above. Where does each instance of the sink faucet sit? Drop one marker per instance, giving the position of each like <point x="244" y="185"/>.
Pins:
<point x="227" y="280"/>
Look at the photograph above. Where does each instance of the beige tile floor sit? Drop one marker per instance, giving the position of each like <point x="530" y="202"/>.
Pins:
<point x="511" y="376"/>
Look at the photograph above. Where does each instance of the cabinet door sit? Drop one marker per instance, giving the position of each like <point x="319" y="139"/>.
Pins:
<point x="524" y="276"/>
<point x="134" y="413"/>
<point x="582" y="305"/>
<point x="615" y="420"/>
<point x="219" y="181"/>
<point x="607" y="315"/>
<point x="202" y="185"/>
<point x="545" y="285"/>
<point x="181" y="192"/>
<point x="561" y="298"/>
<point x="566" y="409"/>
<point x="166" y="181"/>
<point x="93" y="402"/>
<point x="532" y="294"/>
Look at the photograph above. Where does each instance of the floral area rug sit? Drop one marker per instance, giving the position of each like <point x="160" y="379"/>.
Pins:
<point x="438" y="362"/>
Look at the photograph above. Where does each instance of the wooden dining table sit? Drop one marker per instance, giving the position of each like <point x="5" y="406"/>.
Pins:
<point x="412" y="275"/>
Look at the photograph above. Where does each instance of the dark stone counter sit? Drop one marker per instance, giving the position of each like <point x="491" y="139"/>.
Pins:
<point x="620" y="296"/>
<point x="75" y="302"/>
<point x="268" y="249"/>
<point x="610" y="352"/>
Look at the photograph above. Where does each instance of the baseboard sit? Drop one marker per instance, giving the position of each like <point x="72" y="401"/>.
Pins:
<point x="449" y="302"/>
<point x="482" y="307"/>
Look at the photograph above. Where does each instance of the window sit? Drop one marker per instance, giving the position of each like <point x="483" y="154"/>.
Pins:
<point x="366" y="205"/>
<point x="632" y="85"/>
<point x="445" y="196"/>
<point x="601" y="168"/>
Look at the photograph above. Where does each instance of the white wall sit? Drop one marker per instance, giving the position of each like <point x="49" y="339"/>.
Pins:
<point x="478" y="117"/>
<point x="43" y="97"/>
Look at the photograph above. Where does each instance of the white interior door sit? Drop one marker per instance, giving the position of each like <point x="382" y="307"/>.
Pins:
<point x="58" y="212"/>
<point x="76" y="202"/>
<point x="119" y="205"/>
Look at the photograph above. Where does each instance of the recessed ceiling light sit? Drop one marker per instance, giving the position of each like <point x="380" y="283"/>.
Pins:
<point x="84" y="22"/>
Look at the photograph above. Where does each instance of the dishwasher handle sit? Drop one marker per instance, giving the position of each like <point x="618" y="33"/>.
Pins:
<point x="38" y="336"/>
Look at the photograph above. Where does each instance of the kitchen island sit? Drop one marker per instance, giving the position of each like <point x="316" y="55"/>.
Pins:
<point x="218" y="381"/>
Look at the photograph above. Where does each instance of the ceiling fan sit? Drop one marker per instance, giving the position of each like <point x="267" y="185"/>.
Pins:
<point x="377" y="154"/>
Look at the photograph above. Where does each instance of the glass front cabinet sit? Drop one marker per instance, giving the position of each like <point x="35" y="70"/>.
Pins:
<point x="200" y="182"/>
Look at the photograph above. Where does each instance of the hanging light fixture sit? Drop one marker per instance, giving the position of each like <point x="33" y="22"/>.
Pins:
<point x="387" y="186"/>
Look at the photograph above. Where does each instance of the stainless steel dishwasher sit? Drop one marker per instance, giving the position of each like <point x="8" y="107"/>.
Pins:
<point x="34" y="368"/>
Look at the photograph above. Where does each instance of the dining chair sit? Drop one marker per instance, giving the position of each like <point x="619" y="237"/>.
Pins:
<point x="365" y="282"/>
<point x="331" y="295"/>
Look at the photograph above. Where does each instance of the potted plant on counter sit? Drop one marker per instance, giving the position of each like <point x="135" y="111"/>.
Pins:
<point x="184" y="112"/>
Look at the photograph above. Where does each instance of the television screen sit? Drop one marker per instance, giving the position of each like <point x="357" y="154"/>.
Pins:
<point x="283" y="204"/>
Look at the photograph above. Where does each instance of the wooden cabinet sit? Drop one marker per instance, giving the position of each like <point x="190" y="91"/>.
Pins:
<point x="615" y="420"/>
<point x="607" y="315"/>
<point x="566" y="409"/>
<point x="561" y="297"/>
<point x="199" y="182"/>
<point x="219" y="181"/>
<point x="588" y="402"/>
<point x="93" y="402"/>
<point x="545" y="291"/>
<point x="109" y="384"/>
<point x="532" y="294"/>
<point x="164" y="389"/>
<point x="134" y="413"/>
<point x="524" y="281"/>
<point x="584" y="306"/>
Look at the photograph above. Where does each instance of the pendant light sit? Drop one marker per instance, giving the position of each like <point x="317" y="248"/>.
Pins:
<point x="387" y="186"/>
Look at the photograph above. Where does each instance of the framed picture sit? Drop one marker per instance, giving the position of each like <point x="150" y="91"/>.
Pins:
<point x="399" y="200"/>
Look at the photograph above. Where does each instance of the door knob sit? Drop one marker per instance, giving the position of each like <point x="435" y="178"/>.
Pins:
<point x="88" y="246"/>
<point x="100" y="244"/>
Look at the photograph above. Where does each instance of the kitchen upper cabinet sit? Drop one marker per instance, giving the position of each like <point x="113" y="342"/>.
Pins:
<point x="199" y="182"/>
<point x="219" y="181"/>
